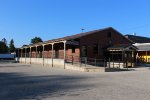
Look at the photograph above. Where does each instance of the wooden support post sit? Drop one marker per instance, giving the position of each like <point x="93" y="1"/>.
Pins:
<point x="113" y="63"/>
<point x="25" y="54"/>
<point x="109" y="63"/>
<point x="146" y="56"/>
<point x="30" y="54"/>
<point x="80" y="61"/>
<point x="21" y="54"/>
<point x="18" y="53"/>
<point x="132" y="60"/>
<point x="122" y="56"/>
<point x="85" y="61"/>
<point x="18" y="56"/>
<point x="95" y="62"/>
<point x="136" y="57"/>
<point x="36" y="53"/>
<point x="112" y="56"/>
<point x="52" y="53"/>
<point x="104" y="63"/>
<point x="126" y="63"/>
<point x="119" y="63"/>
<point x="43" y="54"/>
<point x="72" y="60"/>
<point x="64" y="53"/>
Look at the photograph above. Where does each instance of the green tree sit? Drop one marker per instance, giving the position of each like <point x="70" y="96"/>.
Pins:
<point x="36" y="40"/>
<point x="4" y="40"/>
<point x="3" y="47"/>
<point x="11" y="46"/>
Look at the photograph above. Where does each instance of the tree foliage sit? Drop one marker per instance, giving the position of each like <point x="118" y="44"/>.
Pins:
<point x="4" y="40"/>
<point x="36" y="40"/>
<point x="11" y="46"/>
<point x="3" y="47"/>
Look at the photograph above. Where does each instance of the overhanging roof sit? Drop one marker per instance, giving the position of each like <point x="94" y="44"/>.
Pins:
<point x="143" y="46"/>
<point x="85" y="34"/>
<point x="76" y="36"/>
<point x="138" y="39"/>
<point x="122" y="47"/>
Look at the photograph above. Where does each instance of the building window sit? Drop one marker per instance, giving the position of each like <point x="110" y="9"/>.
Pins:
<point x="73" y="49"/>
<point x="95" y="49"/>
<point x="109" y="34"/>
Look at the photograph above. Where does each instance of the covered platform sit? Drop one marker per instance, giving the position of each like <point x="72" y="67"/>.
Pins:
<point x="124" y="54"/>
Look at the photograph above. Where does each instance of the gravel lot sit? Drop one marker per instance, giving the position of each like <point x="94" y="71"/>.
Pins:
<point x="34" y="82"/>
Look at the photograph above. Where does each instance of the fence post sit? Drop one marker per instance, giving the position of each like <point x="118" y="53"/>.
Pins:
<point x="80" y="61"/>
<point x="119" y="63"/>
<point x="85" y="61"/>
<point x="95" y="62"/>
<point x="127" y="64"/>
<point x="109" y="62"/>
<point x="113" y="63"/>
<point x="72" y="59"/>
<point x="104" y="62"/>
<point x="65" y="60"/>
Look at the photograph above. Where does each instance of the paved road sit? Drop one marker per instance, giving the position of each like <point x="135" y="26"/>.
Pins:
<point x="34" y="82"/>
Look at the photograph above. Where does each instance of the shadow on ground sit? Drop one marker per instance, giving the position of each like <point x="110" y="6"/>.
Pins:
<point x="5" y="65"/>
<point x="16" y="86"/>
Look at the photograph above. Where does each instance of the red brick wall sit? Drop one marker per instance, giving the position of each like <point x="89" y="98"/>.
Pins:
<point x="75" y="55"/>
<point x="33" y="54"/>
<point x="90" y="40"/>
<point x="47" y="54"/>
<point x="102" y="40"/>
<point x="61" y="54"/>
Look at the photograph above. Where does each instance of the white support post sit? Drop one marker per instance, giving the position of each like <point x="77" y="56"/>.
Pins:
<point x="18" y="58"/>
<point x="52" y="53"/>
<point x="146" y="56"/>
<point x="122" y="56"/>
<point x="132" y="59"/>
<point x="36" y="53"/>
<point x="137" y="56"/>
<point x="18" y="53"/>
<point x="21" y="55"/>
<point x="30" y="54"/>
<point x="25" y="54"/>
<point x="43" y="54"/>
<point x="64" y="53"/>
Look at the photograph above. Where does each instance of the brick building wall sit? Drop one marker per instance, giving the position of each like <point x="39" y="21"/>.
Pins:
<point x="103" y="39"/>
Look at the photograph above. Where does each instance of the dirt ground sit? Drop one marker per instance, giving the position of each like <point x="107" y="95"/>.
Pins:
<point x="35" y="82"/>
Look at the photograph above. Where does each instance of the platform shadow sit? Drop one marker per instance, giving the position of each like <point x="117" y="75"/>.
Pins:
<point x="16" y="86"/>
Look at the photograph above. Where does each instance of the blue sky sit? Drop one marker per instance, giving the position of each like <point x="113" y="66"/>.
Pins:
<point x="49" y="19"/>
